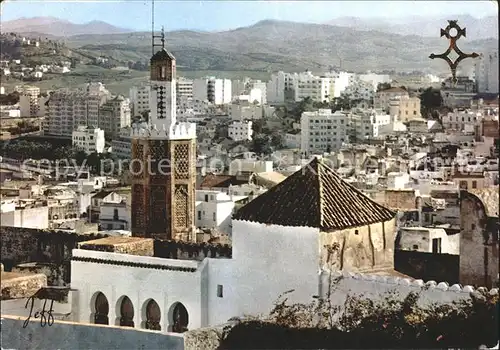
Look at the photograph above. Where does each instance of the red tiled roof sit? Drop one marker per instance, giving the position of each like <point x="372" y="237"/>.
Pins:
<point x="220" y="181"/>
<point x="314" y="196"/>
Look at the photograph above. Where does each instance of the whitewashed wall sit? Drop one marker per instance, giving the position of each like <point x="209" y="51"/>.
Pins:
<point x="140" y="284"/>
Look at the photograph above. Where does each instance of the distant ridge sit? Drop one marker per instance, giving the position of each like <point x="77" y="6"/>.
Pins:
<point x="477" y="28"/>
<point x="59" y="27"/>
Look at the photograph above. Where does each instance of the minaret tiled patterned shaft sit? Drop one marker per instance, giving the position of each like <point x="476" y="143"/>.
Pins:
<point x="163" y="164"/>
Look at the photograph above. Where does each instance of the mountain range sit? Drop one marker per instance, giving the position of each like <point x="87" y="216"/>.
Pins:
<point x="477" y="28"/>
<point x="272" y="45"/>
<point x="59" y="27"/>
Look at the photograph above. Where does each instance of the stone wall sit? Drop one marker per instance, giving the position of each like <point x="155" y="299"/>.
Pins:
<point x="359" y="248"/>
<point x="428" y="266"/>
<point x="121" y="245"/>
<point x="68" y="335"/>
<point x="56" y="273"/>
<point x="15" y="286"/>
<point x="22" y="245"/>
<point x="185" y="250"/>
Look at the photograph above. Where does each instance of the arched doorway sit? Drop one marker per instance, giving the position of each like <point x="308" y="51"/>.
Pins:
<point x="180" y="318"/>
<point x="101" y="306"/>
<point x="126" y="313"/>
<point x="153" y="316"/>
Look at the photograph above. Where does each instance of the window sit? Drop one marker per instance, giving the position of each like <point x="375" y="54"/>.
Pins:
<point x="415" y="247"/>
<point x="436" y="245"/>
<point x="474" y="184"/>
<point x="463" y="185"/>
<point x="206" y="198"/>
<point x="199" y="214"/>
<point x="115" y="214"/>
<point x="356" y="232"/>
<point x="219" y="291"/>
<point x="214" y="217"/>
<point x="473" y="226"/>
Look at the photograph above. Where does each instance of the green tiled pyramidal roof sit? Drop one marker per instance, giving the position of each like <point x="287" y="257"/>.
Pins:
<point x="314" y="196"/>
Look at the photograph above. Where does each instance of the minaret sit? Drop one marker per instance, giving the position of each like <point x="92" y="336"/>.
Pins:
<point x="163" y="164"/>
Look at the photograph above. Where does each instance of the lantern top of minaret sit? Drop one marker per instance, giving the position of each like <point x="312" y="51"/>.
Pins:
<point x="163" y="54"/>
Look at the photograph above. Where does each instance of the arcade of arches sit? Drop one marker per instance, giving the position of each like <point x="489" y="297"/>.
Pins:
<point x="151" y="315"/>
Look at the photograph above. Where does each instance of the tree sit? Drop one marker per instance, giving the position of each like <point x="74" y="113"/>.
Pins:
<point x="430" y="100"/>
<point x="261" y="144"/>
<point x="383" y="86"/>
<point x="277" y="141"/>
<point x="258" y="126"/>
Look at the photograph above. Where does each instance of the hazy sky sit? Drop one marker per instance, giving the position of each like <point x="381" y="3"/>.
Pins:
<point x="222" y="15"/>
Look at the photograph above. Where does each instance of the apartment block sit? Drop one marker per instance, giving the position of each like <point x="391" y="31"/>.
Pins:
<point x="240" y="130"/>
<point x="139" y="99"/>
<point x="66" y="110"/>
<point x="28" y="101"/>
<point x="405" y="108"/>
<point x="114" y="115"/>
<point x="323" y="131"/>
<point x="486" y="73"/>
<point x="88" y="139"/>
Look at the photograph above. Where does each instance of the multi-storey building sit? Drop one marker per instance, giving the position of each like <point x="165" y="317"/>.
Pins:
<point x="383" y="98"/>
<point x="360" y="91"/>
<point x="139" y="99"/>
<point x="323" y="131"/>
<point x="121" y="144"/>
<point x="66" y="110"/>
<point x="184" y="88"/>
<point x="241" y="112"/>
<point x="255" y="85"/>
<point x="240" y="130"/>
<point x="114" y="115"/>
<point x="465" y="120"/>
<point x="211" y="89"/>
<point x="405" y="108"/>
<point x="28" y="101"/>
<point x="375" y="79"/>
<point x="486" y="73"/>
<point x="367" y="124"/>
<point x="88" y="139"/>
<point x="275" y="88"/>
<point x="306" y="85"/>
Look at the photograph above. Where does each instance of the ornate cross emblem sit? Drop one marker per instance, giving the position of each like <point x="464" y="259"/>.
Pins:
<point x="453" y="47"/>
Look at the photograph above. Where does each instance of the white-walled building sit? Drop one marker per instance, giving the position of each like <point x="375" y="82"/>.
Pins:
<point x="293" y="140"/>
<point x="464" y="120"/>
<point x="216" y="91"/>
<point x="359" y="90"/>
<point x="257" y="90"/>
<point x="69" y="109"/>
<point x="28" y="101"/>
<point x="139" y="99"/>
<point x="323" y="131"/>
<point x="294" y="224"/>
<point x="309" y="85"/>
<point x="375" y="79"/>
<point x="246" y="167"/>
<point x="240" y="130"/>
<point x="184" y="88"/>
<point x="275" y="88"/>
<point x="404" y="108"/>
<point x="89" y="140"/>
<point x="428" y="240"/>
<point x="214" y="210"/>
<point x="114" y="213"/>
<point x="368" y="123"/>
<point x="486" y="72"/>
<point x="240" y="112"/>
<point x="114" y="115"/>
<point x="383" y="98"/>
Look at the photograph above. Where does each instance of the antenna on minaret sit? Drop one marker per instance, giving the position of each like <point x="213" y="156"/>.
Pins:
<point x="153" y="27"/>
<point x="153" y="36"/>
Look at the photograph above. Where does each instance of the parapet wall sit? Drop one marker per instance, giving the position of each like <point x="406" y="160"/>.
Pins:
<point x="23" y="245"/>
<point x="69" y="335"/>
<point x="376" y="288"/>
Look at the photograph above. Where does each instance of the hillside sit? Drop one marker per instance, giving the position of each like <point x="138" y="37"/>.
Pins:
<point x="279" y="45"/>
